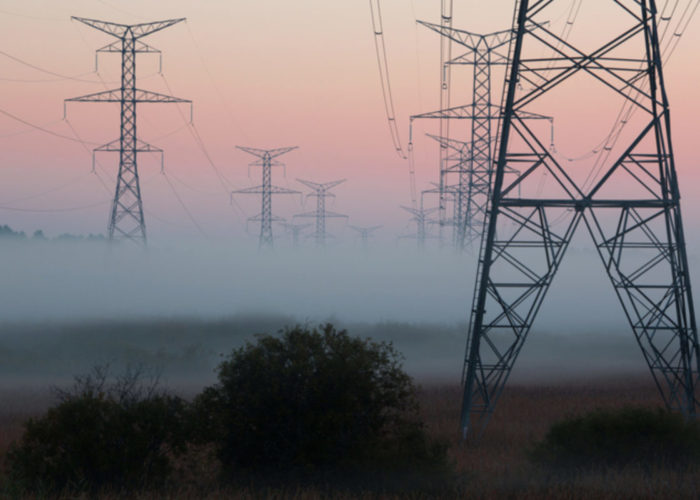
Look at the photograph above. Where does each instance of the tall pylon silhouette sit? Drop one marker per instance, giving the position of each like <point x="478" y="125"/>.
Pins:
<point x="630" y="206"/>
<point x="126" y="219"/>
<point x="266" y="160"/>
<point x="321" y="192"/>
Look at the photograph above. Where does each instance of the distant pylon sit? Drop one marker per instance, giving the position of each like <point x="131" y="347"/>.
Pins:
<point x="265" y="217"/>
<point x="321" y="192"/>
<point x="296" y="230"/>
<point x="629" y="202"/>
<point x="365" y="233"/>
<point x="474" y="160"/>
<point x="420" y="217"/>
<point x="126" y="217"/>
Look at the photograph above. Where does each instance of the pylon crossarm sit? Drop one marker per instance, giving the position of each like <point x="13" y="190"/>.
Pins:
<point x="306" y="215"/>
<point x="321" y="187"/>
<point x="139" y="47"/>
<point x="471" y="40"/>
<point x="103" y="96"/>
<point x="114" y="29"/>
<point x="250" y="190"/>
<point x="466" y="112"/>
<point x="267" y="153"/>
<point x="148" y="96"/>
<point x="272" y="218"/>
<point x="468" y="59"/>
<point x="266" y="162"/>
<point x="141" y="147"/>
<point x="336" y="215"/>
<point x="144" y="29"/>
<point x="115" y="95"/>
<point x="121" y="30"/>
<point x="281" y="190"/>
<point x="447" y="142"/>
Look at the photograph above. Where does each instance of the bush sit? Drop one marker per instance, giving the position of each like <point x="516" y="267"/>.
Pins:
<point x="102" y="435"/>
<point x="311" y="400"/>
<point x="630" y="435"/>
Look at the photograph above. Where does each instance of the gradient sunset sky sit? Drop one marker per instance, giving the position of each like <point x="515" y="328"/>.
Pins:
<point x="265" y="73"/>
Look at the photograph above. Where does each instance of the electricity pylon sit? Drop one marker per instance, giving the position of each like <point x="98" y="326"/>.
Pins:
<point x="456" y="160"/>
<point x="296" y="230"/>
<point x="420" y="217"/>
<point x="365" y="233"/>
<point x="450" y="193"/>
<point x="321" y="192"/>
<point x="474" y="163"/>
<point x="126" y="217"/>
<point x="265" y="217"/>
<point x="630" y="207"/>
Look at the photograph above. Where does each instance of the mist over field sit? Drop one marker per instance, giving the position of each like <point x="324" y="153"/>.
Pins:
<point x="177" y="308"/>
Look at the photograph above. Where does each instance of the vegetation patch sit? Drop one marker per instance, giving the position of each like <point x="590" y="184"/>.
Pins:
<point x="106" y="433"/>
<point x="310" y="403"/>
<point x="619" y="437"/>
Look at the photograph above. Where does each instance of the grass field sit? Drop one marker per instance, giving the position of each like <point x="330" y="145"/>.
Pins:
<point x="495" y="467"/>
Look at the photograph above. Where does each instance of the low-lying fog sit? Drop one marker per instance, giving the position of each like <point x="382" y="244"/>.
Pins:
<point x="76" y="281"/>
<point x="66" y="306"/>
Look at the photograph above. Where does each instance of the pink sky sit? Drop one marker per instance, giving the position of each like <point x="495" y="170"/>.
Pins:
<point x="264" y="73"/>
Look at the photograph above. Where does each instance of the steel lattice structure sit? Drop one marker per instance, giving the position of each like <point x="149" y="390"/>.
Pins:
<point x="471" y="161"/>
<point x="266" y="189"/>
<point x="321" y="192"/>
<point x="631" y="210"/>
<point x="296" y="230"/>
<point x="126" y="217"/>
<point x="421" y="217"/>
<point x="365" y="233"/>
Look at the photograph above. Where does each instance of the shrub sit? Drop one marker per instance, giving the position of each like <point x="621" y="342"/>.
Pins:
<point x="620" y="437"/>
<point x="314" y="399"/>
<point x="102" y="435"/>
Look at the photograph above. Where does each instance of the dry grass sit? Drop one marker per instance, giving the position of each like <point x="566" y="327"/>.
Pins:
<point x="494" y="467"/>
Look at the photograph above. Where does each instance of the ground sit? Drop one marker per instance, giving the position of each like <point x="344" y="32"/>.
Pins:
<point x="497" y="466"/>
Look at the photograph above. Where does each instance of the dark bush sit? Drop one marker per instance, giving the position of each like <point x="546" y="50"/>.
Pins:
<point x="619" y="437"/>
<point x="311" y="400"/>
<point x="102" y="435"/>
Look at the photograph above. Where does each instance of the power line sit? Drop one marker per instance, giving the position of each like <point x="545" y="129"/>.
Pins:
<point x="27" y="16"/>
<point x="383" y="64"/>
<point x="194" y="132"/>
<point x="212" y="80"/>
<point x="51" y="210"/>
<point x="47" y="71"/>
<point x="40" y="128"/>
<point x="184" y="207"/>
<point x="71" y="182"/>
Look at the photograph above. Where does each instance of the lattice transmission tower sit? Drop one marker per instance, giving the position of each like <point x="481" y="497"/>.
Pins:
<point x="365" y="234"/>
<point x="421" y="216"/>
<point x="471" y="161"/>
<point x="266" y="160"/>
<point x="321" y="192"/>
<point x="296" y="230"/>
<point x="126" y="219"/>
<point x="630" y="207"/>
